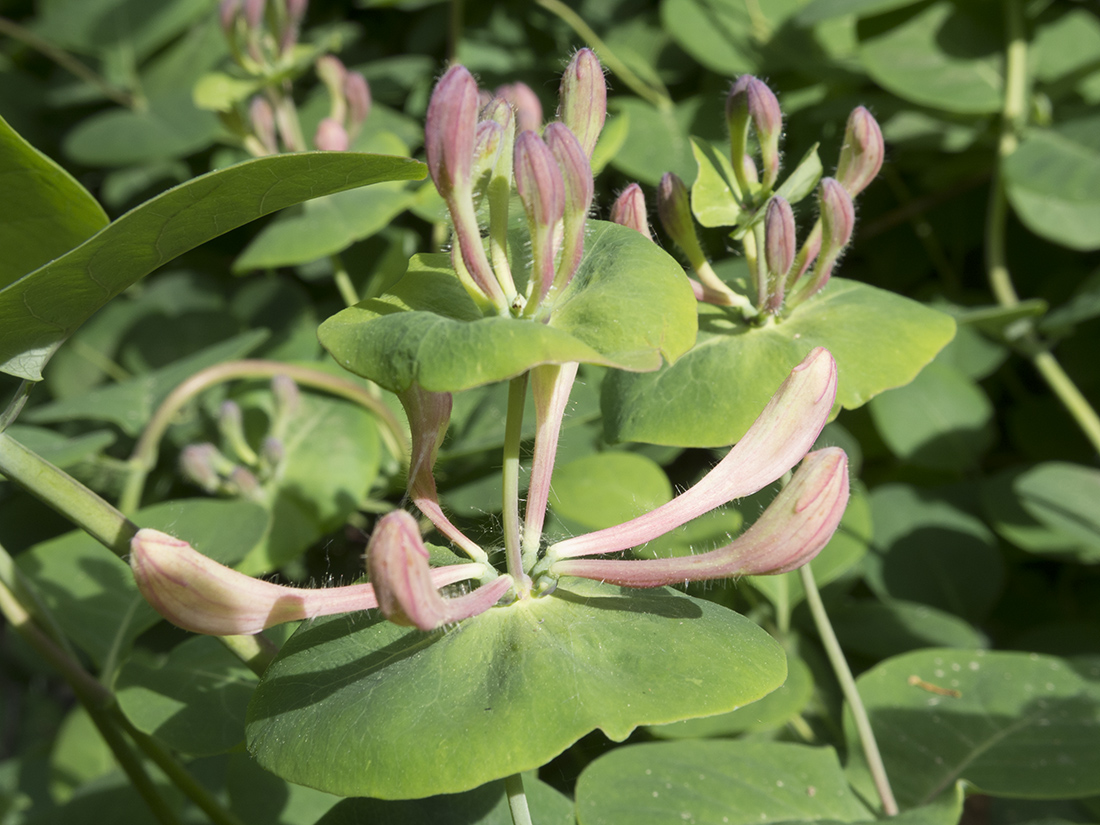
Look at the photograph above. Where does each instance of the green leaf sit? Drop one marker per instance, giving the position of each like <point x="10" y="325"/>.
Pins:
<point x="131" y="403"/>
<point x="1012" y="724"/>
<point x="658" y="139"/>
<point x="740" y="783"/>
<point x="220" y="92"/>
<point x="135" y="27"/>
<point x="773" y="711"/>
<point x="881" y="629"/>
<point x="169" y="127"/>
<point x="627" y="306"/>
<point x="820" y="10"/>
<point x="926" y="550"/>
<point x="58" y="449"/>
<point x="1069" y="43"/>
<point x="193" y="700"/>
<point x="712" y="200"/>
<point x="45" y="212"/>
<point x="79" y="755"/>
<point x="1047" y="509"/>
<point x="1053" y="183"/>
<point x="711" y="395"/>
<point x="260" y="798"/>
<point x="943" y="54"/>
<point x="604" y="489"/>
<point x="727" y="36"/>
<point x="381" y="710"/>
<point x="332" y="455"/>
<point x="941" y="420"/>
<point x="487" y="805"/>
<point x="39" y="311"/>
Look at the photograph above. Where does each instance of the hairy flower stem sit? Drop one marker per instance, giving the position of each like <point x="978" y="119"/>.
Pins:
<point x="144" y="456"/>
<point x="1013" y="115"/>
<point x="848" y="687"/>
<point x="517" y="799"/>
<point x="513" y="432"/>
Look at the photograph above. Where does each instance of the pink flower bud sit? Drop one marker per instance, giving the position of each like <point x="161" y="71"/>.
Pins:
<point x="838" y="217"/>
<point x="296" y="11"/>
<point x="288" y="398"/>
<point x="331" y="136"/>
<point x="450" y="130"/>
<point x="629" y="210"/>
<point x="750" y="100"/>
<point x="397" y="562"/>
<point x="203" y="464"/>
<point x="487" y="148"/>
<point x="583" y="98"/>
<point x="228" y="11"/>
<point x="254" y="13"/>
<point x="332" y="71"/>
<point x="579" y="188"/>
<point x="542" y="191"/>
<point x="526" y="103"/>
<point x="862" y="154"/>
<point x="263" y="124"/>
<point x="780" y="241"/>
<point x="357" y="93"/>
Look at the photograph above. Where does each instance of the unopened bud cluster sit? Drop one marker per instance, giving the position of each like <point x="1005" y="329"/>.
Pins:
<point x="234" y="468"/>
<point x="784" y="273"/>
<point x="263" y="41"/>
<point x="479" y="146"/>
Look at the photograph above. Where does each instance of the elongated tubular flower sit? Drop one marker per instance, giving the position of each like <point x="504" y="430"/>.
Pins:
<point x="525" y="103"/>
<point x="794" y="529"/>
<point x="777" y="440"/>
<point x="863" y="151"/>
<point x="576" y="172"/>
<point x="450" y="130"/>
<point x="429" y="415"/>
<point x="779" y="249"/>
<point x="195" y="592"/>
<point x="629" y="210"/>
<point x="582" y="98"/>
<point x="397" y="562"/>
<point x="542" y="192"/>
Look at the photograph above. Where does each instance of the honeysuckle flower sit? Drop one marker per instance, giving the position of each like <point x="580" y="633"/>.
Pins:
<point x="576" y="172"/>
<point x="838" y="218"/>
<point x="863" y="151"/>
<point x="357" y="93"/>
<point x="777" y="440"/>
<point x="196" y="593"/>
<point x="542" y="192"/>
<point x="751" y="101"/>
<point x="450" y="134"/>
<point x="397" y="562"/>
<point x="262" y="118"/>
<point x="583" y="98"/>
<point x="794" y="529"/>
<point x="629" y="210"/>
<point x="779" y="249"/>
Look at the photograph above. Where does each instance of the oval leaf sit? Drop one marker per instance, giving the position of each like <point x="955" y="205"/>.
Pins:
<point x="628" y="305"/>
<point x="39" y="311"/>
<point x="378" y="710"/>
<point x="44" y="212"/>
<point x="713" y="393"/>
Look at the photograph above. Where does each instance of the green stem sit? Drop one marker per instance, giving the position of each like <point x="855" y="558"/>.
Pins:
<point x="659" y="97"/>
<point x="94" y="697"/>
<point x="65" y="494"/>
<point x="343" y="281"/>
<point x="851" y="693"/>
<point x="65" y="61"/>
<point x="15" y="406"/>
<point x="1013" y="114"/>
<point x="257" y="652"/>
<point x="513" y="431"/>
<point x="454" y="29"/>
<point x="517" y="799"/>
<point x="144" y="457"/>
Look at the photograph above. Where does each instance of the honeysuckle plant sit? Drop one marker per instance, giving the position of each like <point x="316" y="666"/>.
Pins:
<point x="456" y="322"/>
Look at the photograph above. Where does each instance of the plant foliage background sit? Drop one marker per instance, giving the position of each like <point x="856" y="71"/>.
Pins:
<point x="963" y="584"/>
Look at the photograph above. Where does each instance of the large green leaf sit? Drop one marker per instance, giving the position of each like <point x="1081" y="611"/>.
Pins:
<point x="740" y="783"/>
<point x="44" y="212"/>
<point x="943" y="54"/>
<point x="726" y="36"/>
<point x="1053" y="182"/>
<point x="1050" y="508"/>
<point x="374" y="709"/>
<point x="39" y="311"/>
<point x="712" y="395"/>
<point x="819" y="10"/>
<point x="658" y="139"/>
<point x="941" y="420"/>
<point x="604" y="489"/>
<point x="193" y="700"/>
<point x="1011" y="724"/>
<point x="92" y="592"/>
<point x="628" y="305"/>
